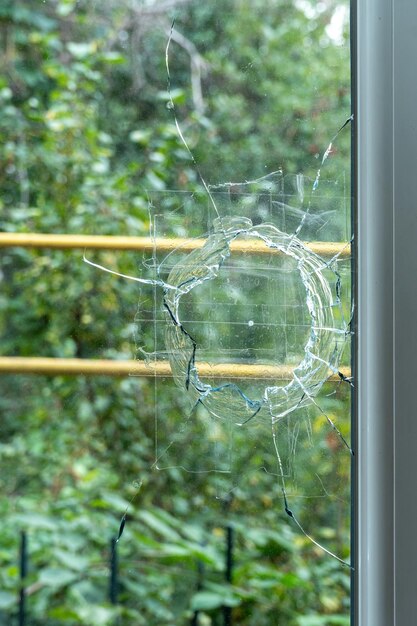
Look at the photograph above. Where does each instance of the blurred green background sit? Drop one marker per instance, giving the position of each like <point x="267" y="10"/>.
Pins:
<point x="86" y="140"/>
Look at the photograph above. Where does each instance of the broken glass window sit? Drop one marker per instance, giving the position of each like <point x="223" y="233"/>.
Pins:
<point x="250" y="320"/>
<point x="245" y="322"/>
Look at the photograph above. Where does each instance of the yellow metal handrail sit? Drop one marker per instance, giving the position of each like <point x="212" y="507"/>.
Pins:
<point x="105" y="367"/>
<point x="148" y="244"/>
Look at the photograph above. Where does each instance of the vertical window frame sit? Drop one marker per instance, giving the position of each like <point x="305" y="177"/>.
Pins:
<point x="385" y="541"/>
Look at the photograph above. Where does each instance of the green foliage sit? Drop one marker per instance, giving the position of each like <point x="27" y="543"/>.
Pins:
<point x="86" y="135"/>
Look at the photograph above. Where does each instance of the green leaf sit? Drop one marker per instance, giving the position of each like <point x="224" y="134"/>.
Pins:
<point x="116" y="502"/>
<point x="73" y="561"/>
<point x="63" y="613"/>
<point x="36" y="520"/>
<point x="95" y="614"/>
<point x="56" y="577"/>
<point x="7" y="599"/>
<point x="113" y="58"/>
<point x="140" y="136"/>
<point x="214" y="597"/>
<point x="206" y="601"/>
<point x="172" y="551"/>
<point x="154" y="522"/>
<point x="154" y="182"/>
<point x="81" y="50"/>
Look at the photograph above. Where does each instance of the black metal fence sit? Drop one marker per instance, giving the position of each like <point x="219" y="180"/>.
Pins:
<point x="113" y="583"/>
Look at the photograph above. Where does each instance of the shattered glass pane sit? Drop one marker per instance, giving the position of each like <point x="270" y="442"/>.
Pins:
<point x="253" y="324"/>
<point x="250" y="325"/>
<point x="216" y="138"/>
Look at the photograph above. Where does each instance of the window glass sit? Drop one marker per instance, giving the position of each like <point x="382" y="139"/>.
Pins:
<point x="185" y="458"/>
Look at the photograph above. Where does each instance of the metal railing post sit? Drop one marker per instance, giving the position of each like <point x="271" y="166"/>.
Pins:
<point x="23" y="570"/>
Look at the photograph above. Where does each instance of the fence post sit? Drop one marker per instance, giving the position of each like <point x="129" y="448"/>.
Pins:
<point x="200" y="575"/>
<point x="113" y="583"/>
<point x="227" y="610"/>
<point x="23" y="568"/>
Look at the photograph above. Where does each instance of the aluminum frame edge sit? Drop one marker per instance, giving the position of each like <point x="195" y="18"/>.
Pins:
<point x="374" y="198"/>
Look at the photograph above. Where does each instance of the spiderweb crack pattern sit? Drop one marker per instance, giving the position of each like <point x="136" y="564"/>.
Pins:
<point x="321" y="353"/>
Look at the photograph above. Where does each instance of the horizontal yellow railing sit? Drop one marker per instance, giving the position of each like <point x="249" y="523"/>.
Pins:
<point x="147" y="244"/>
<point x="103" y="367"/>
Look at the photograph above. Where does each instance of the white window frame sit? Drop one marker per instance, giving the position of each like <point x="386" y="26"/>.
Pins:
<point x="385" y="526"/>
